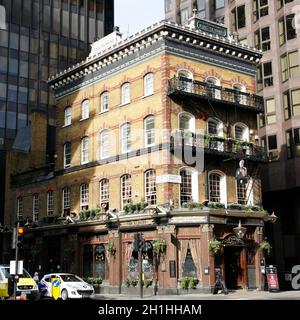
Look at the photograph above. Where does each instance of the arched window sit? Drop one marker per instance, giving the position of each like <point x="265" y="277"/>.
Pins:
<point x="215" y="129"/>
<point x="149" y="131"/>
<point x="125" y="138"/>
<point x="85" y="109"/>
<point x="185" y="80"/>
<point x="125" y="93"/>
<point x="36" y="207"/>
<point x="104" y="144"/>
<point x="244" y="192"/>
<point x="50" y="203"/>
<point x="150" y="186"/>
<point x="67" y="154"/>
<point x="84" y="150"/>
<point x="84" y="196"/>
<point x="189" y="185"/>
<point x="241" y="132"/>
<point x="239" y="96"/>
<point x="213" y="87"/>
<point x="104" y="102"/>
<point x="148" y="84"/>
<point x="104" y="194"/>
<point x="217" y="187"/>
<point x="125" y="190"/>
<point x="186" y="122"/>
<point x="68" y="116"/>
<point x="66" y="200"/>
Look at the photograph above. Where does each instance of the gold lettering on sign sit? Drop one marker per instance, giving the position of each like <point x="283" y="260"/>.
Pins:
<point x="136" y="223"/>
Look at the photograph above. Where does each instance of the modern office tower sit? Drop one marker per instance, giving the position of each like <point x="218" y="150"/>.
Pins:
<point x="271" y="26"/>
<point x="39" y="38"/>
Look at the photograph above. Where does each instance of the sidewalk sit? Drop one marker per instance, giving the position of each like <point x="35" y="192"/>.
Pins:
<point x="236" y="295"/>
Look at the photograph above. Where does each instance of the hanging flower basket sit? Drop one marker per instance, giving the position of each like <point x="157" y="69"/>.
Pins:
<point x="215" y="245"/>
<point x="159" y="246"/>
<point x="265" y="246"/>
<point x="111" y="249"/>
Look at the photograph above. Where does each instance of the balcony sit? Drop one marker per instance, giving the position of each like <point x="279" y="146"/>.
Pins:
<point x="224" y="147"/>
<point x="184" y="87"/>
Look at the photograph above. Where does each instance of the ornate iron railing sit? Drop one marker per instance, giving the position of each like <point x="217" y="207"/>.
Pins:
<point x="215" y="93"/>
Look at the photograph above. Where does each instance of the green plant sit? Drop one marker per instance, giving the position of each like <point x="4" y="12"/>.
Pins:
<point x="265" y="246"/>
<point x="127" y="282"/>
<point x="193" y="282"/>
<point x="111" y="249"/>
<point x="193" y="205"/>
<point x="148" y="283"/>
<point x="159" y="246"/>
<point x="184" y="283"/>
<point x="133" y="282"/>
<point x="215" y="245"/>
<point x="216" y="205"/>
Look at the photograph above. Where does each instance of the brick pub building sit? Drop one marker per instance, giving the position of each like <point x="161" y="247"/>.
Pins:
<point x="125" y="116"/>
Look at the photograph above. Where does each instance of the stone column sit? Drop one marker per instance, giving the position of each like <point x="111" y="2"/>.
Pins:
<point x="207" y="256"/>
<point x="260" y="278"/>
<point x="115" y="261"/>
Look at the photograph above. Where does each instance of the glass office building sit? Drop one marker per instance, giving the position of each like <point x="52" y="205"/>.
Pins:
<point x="39" y="38"/>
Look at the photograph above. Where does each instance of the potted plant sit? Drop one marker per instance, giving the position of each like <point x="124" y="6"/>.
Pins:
<point x="193" y="282"/>
<point x="111" y="249"/>
<point x="215" y="245"/>
<point x="265" y="246"/>
<point x="184" y="283"/>
<point x="127" y="283"/>
<point x="134" y="282"/>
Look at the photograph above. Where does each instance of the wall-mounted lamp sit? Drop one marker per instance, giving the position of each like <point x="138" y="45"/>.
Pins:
<point x="273" y="218"/>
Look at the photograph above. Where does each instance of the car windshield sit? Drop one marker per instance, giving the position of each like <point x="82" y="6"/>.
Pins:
<point x="70" y="278"/>
<point x="24" y="275"/>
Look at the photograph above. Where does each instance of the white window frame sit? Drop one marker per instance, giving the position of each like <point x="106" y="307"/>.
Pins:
<point x="68" y="116"/>
<point x="50" y="203"/>
<point x="66" y="199"/>
<point x="104" y="144"/>
<point x="125" y="138"/>
<point x="246" y="135"/>
<point x="84" y="196"/>
<point x="35" y="207"/>
<point x="103" y="192"/>
<point x="126" y="195"/>
<point x="184" y="85"/>
<point x="84" y="150"/>
<point x="125" y="93"/>
<point x="20" y="208"/>
<point x="150" y="186"/>
<point x="216" y="82"/>
<point x="223" y="186"/>
<point x="67" y="155"/>
<point x="241" y="99"/>
<point x="149" y="134"/>
<point x="219" y="145"/>
<point x="85" y="109"/>
<point x="249" y="193"/>
<point x="148" y="84"/>
<point x="194" y="184"/>
<point x="104" y="101"/>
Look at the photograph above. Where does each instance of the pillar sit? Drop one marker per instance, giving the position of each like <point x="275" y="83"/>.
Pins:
<point x="207" y="257"/>
<point x="258" y="237"/>
<point x="115" y="261"/>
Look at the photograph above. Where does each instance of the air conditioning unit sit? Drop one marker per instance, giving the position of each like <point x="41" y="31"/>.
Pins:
<point x="1" y="141"/>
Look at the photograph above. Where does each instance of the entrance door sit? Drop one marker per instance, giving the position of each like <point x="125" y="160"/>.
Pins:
<point x="233" y="267"/>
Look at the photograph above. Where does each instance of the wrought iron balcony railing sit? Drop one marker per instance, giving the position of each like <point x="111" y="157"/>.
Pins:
<point x="226" y="147"/>
<point x="185" y="86"/>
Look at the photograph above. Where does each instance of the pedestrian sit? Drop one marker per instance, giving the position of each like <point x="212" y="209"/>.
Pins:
<point x="36" y="277"/>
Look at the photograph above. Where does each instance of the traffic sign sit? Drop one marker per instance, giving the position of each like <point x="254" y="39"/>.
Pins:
<point x="55" y="288"/>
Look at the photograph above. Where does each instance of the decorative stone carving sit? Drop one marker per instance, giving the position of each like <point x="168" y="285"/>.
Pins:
<point x="207" y="227"/>
<point x="233" y="240"/>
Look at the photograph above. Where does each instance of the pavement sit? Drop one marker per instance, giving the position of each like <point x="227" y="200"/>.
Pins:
<point x="233" y="295"/>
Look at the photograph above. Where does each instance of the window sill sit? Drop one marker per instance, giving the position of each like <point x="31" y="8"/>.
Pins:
<point x="82" y="163"/>
<point x="124" y="104"/>
<point x="82" y="119"/>
<point x="101" y="112"/>
<point x="148" y="95"/>
<point x="67" y="167"/>
<point x="66" y="125"/>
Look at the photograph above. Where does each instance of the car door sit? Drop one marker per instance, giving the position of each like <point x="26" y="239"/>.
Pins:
<point x="49" y="286"/>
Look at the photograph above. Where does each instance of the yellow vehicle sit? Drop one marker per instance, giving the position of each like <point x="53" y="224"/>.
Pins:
<point x="25" y="285"/>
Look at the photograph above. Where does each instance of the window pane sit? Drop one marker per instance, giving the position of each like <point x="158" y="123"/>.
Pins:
<point x="296" y="102"/>
<point x="241" y="17"/>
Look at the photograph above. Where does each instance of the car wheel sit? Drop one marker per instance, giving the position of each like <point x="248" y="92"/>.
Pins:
<point x="64" y="295"/>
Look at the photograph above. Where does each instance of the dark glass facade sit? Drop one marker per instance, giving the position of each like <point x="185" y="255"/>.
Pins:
<point x="38" y="39"/>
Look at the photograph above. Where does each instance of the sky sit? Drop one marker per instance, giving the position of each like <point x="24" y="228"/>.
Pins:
<point x="132" y="16"/>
